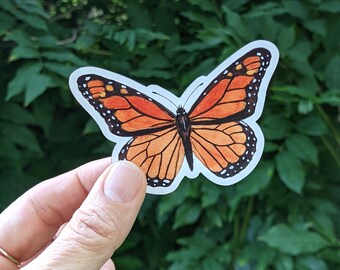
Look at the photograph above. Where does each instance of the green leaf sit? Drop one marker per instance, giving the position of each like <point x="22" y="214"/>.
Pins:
<point x="194" y="46"/>
<point x="210" y="194"/>
<point x="186" y="214"/>
<point x="205" y="242"/>
<point x="33" y="7"/>
<point x="200" y="17"/>
<point x="127" y="37"/>
<point x="21" y="38"/>
<point x="8" y="6"/>
<point x="275" y="127"/>
<point x="145" y="73"/>
<point x="195" y="246"/>
<point x="32" y="20"/>
<point x="258" y="252"/>
<point x="35" y="87"/>
<point x="23" y="53"/>
<point x="177" y="265"/>
<point x="204" y="5"/>
<point x="324" y="224"/>
<point x="332" y="71"/>
<point x="47" y="42"/>
<point x="7" y="23"/>
<point x="270" y="147"/>
<point x="43" y="111"/>
<point x="316" y="26"/>
<point x="173" y="200"/>
<point x="203" y="68"/>
<point x="139" y="16"/>
<point x="22" y="136"/>
<point x="311" y="262"/>
<point x="296" y="9"/>
<point x="214" y="217"/>
<point x="264" y="10"/>
<point x="61" y="69"/>
<point x="311" y="125"/>
<point x="300" y="53"/>
<point x="94" y="28"/>
<point x="293" y="241"/>
<point x="331" y="6"/>
<point x="256" y="180"/>
<point x="235" y="21"/>
<point x="286" y="39"/>
<point x="91" y="127"/>
<point x="19" y="82"/>
<point x="291" y="171"/>
<point x="155" y="61"/>
<point x="235" y="5"/>
<point x="293" y="90"/>
<point x="303" y="148"/>
<point x="331" y="98"/>
<point x="14" y="113"/>
<point x="146" y="36"/>
<point x="85" y="42"/>
<point x="284" y="262"/>
<point x="63" y="56"/>
<point x="305" y="106"/>
<point x="210" y="263"/>
<point x="128" y="263"/>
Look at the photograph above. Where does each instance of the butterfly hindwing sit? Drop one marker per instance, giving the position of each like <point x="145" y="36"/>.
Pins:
<point x="126" y="111"/>
<point x="160" y="155"/>
<point x="225" y="149"/>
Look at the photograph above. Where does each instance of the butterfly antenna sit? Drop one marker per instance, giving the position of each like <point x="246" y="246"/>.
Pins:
<point x="165" y="98"/>
<point x="191" y="94"/>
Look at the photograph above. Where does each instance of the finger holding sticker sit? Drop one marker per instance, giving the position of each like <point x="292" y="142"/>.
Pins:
<point x="212" y="130"/>
<point x="95" y="205"/>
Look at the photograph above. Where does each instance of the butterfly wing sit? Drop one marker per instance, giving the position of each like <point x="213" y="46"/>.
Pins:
<point x="155" y="145"/>
<point x="233" y="94"/>
<point x="125" y="110"/>
<point x="225" y="136"/>
<point x="160" y="154"/>
<point x="225" y="149"/>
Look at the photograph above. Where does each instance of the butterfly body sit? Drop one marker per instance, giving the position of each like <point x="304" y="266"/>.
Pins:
<point x="183" y="125"/>
<point x="216" y="134"/>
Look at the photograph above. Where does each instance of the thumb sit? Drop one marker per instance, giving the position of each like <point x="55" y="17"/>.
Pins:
<point x="101" y="224"/>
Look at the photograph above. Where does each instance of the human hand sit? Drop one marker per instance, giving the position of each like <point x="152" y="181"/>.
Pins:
<point x="75" y="220"/>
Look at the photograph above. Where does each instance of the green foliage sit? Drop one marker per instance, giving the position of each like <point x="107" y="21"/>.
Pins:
<point x="285" y="215"/>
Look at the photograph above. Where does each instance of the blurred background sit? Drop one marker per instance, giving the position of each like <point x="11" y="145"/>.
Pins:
<point x="285" y="215"/>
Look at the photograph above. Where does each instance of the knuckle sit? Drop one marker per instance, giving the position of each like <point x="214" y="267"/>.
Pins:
<point x="94" y="227"/>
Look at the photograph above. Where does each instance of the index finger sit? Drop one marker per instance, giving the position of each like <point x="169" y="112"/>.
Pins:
<point x="29" y="223"/>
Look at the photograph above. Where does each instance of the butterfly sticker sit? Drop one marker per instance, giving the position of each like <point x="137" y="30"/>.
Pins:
<point x="211" y="129"/>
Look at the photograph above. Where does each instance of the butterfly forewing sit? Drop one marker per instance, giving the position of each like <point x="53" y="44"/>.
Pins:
<point x="233" y="94"/>
<point x="126" y="111"/>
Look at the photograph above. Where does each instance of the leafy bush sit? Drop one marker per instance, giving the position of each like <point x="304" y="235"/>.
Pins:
<point x="285" y="215"/>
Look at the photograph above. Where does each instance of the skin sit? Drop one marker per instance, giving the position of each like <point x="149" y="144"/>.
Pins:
<point x="73" y="221"/>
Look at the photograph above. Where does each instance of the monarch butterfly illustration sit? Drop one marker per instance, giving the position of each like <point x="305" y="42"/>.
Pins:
<point x="212" y="129"/>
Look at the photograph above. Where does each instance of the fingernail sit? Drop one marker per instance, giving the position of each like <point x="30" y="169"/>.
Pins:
<point x="123" y="181"/>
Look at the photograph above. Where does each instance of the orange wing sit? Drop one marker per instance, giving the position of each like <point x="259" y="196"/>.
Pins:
<point x="233" y="94"/>
<point x="126" y="111"/>
<point x="160" y="155"/>
<point x="225" y="149"/>
<point x="220" y="139"/>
